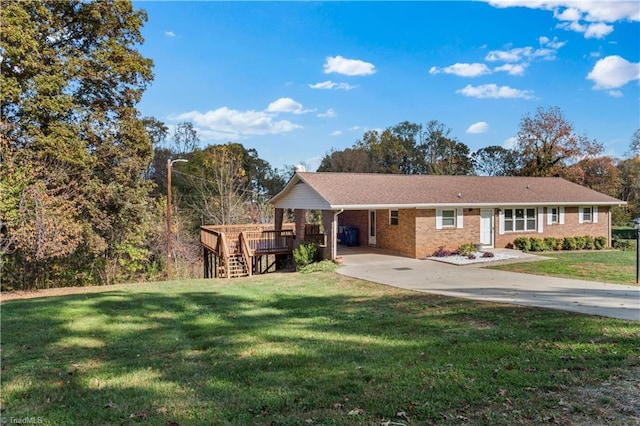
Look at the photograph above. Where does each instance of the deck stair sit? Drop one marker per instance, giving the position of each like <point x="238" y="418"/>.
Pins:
<point x="237" y="267"/>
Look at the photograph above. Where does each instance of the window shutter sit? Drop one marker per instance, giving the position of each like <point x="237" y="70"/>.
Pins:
<point x="561" y="218"/>
<point x="580" y="214"/>
<point x="540" y="219"/>
<point x="595" y="214"/>
<point x="460" y="218"/>
<point x="438" y="219"/>
<point x="549" y="216"/>
<point x="501" y="222"/>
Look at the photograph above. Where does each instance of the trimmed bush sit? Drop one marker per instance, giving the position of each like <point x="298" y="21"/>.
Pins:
<point x="537" y="244"/>
<point x="487" y="254"/>
<point x="580" y="243"/>
<point x="623" y="245"/>
<point x="589" y="243"/>
<point x="551" y="243"/>
<point x="569" y="243"/>
<point x="600" y="243"/>
<point x="522" y="243"/>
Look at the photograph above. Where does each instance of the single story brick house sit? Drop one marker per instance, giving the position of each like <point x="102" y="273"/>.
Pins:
<point x="414" y="215"/>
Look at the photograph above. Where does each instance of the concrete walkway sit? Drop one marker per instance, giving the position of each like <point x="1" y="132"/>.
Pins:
<point x="474" y="282"/>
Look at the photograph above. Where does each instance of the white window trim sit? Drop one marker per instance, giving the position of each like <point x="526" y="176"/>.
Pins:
<point x="538" y="215"/>
<point x="457" y="217"/>
<point x="397" y="217"/>
<point x="594" y="214"/>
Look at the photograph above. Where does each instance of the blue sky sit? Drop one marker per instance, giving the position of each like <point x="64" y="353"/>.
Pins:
<point x="296" y="79"/>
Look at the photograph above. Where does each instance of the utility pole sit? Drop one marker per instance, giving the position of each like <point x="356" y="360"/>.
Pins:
<point x="170" y="164"/>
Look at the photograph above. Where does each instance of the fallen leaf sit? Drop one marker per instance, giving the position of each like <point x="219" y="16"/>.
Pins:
<point x="403" y="415"/>
<point x="110" y="405"/>
<point x="356" y="412"/>
<point x="162" y="410"/>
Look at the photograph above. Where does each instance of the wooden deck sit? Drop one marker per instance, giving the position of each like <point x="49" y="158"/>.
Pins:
<point x="244" y="250"/>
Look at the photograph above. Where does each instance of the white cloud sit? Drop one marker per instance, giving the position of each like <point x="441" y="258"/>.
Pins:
<point x="328" y="85"/>
<point x="341" y="65"/>
<point x="553" y="44"/>
<point x="169" y="33"/>
<point x="597" y="30"/>
<point x="615" y="93"/>
<point x="354" y="128"/>
<point x="287" y="105"/>
<point x="612" y="72"/>
<point x="519" y="54"/>
<point x="590" y="18"/>
<point x="512" y="69"/>
<point x="494" y="91"/>
<point x="329" y="114"/>
<point x="224" y="123"/>
<point x="462" y="70"/>
<point x="479" y="127"/>
<point x="336" y="133"/>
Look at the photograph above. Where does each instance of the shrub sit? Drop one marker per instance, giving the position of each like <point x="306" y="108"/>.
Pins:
<point x="589" y="242"/>
<point x="467" y="249"/>
<point x="580" y="243"/>
<point x="600" y="242"/>
<point x="441" y="252"/>
<point x="551" y="243"/>
<point x="537" y="244"/>
<point x="305" y="254"/>
<point x="623" y="245"/>
<point x="522" y="243"/>
<point x="487" y="254"/>
<point x="471" y="256"/>
<point x="569" y="243"/>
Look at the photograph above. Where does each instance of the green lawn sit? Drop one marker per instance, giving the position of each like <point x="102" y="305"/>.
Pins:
<point x="314" y="349"/>
<point x="602" y="266"/>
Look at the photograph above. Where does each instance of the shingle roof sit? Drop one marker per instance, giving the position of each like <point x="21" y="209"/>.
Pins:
<point x="352" y="190"/>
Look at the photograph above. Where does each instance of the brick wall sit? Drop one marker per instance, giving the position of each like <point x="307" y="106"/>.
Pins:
<point x="570" y="228"/>
<point x="416" y="234"/>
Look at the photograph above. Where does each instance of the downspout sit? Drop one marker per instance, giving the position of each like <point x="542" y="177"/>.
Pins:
<point x="334" y="235"/>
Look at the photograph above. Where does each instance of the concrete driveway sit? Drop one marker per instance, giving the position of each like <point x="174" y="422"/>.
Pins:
<point x="474" y="282"/>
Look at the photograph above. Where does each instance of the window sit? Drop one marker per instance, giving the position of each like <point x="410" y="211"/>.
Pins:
<point x="586" y="214"/>
<point x="554" y="215"/>
<point x="519" y="220"/>
<point x="448" y="218"/>
<point x="393" y="217"/>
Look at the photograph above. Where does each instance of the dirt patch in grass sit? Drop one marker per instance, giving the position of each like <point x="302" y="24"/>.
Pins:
<point x="6" y="296"/>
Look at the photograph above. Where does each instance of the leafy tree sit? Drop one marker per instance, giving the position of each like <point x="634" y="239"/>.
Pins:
<point x="73" y="200"/>
<point x="185" y="138"/>
<point x="629" y="171"/>
<point x="597" y="173"/>
<point x="444" y="155"/>
<point x="548" y="144"/>
<point x="495" y="161"/>
<point x="349" y="160"/>
<point x="634" y="147"/>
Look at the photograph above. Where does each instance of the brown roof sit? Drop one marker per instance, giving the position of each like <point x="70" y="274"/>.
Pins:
<point x="351" y="190"/>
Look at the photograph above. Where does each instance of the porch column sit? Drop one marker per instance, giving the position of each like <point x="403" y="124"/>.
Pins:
<point x="330" y="230"/>
<point x="301" y="221"/>
<point x="278" y="219"/>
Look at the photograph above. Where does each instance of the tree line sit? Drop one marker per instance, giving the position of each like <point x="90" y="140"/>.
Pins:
<point x="546" y="145"/>
<point x="83" y="176"/>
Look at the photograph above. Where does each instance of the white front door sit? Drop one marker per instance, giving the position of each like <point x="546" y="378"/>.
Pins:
<point x="372" y="227"/>
<point x="486" y="227"/>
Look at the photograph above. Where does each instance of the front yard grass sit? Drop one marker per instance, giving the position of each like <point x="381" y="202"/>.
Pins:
<point x="312" y="349"/>
<point x="602" y="266"/>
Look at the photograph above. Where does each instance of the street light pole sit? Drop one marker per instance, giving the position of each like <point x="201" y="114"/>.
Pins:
<point x="170" y="164"/>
